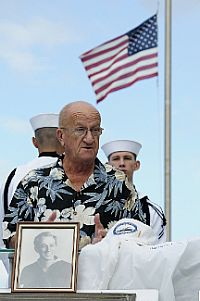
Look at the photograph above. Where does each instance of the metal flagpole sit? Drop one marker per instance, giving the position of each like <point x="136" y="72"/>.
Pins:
<point x="168" y="116"/>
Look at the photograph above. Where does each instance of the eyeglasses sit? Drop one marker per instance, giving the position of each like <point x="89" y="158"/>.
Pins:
<point x="82" y="131"/>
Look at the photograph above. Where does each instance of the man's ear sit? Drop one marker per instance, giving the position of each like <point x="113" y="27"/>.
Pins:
<point x="59" y="135"/>
<point x="137" y="165"/>
<point x="34" y="141"/>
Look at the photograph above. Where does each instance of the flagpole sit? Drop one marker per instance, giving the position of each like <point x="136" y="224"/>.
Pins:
<point x="168" y="116"/>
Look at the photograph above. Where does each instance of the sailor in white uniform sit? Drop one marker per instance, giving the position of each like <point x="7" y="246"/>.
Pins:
<point x="122" y="154"/>
<point x="49" y="149"/>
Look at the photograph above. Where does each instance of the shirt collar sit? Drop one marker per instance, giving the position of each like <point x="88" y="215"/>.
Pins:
<point x="98" y="176"/>
<point x="49" y="154"/>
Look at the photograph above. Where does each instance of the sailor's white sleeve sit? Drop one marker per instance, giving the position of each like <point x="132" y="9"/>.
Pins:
<point x="156" y="222"/>
<point x="1" y="214"/>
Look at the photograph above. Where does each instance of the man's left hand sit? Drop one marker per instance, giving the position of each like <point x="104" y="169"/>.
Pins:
<point x="100" y="232"/>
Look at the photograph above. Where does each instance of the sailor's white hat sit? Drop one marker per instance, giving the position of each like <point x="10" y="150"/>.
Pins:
<point x="44" y="121"/>
<point x="121" y="146"/>
<point x="129" y="228"/>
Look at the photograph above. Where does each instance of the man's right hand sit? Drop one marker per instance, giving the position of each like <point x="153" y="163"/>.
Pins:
<point x="12" y="242"/>
<point x="52" y="217"/>
<point x="13" y="238"/>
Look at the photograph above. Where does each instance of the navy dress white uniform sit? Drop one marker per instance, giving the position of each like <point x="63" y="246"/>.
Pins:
<point x="16" y="175"/>
<point x="57" y="275"/>
<point x="149" y="213"/>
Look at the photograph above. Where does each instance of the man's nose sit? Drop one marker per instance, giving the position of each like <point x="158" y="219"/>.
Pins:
<point x="48" y="248"/>
<point x="89" y="137"/>
<point x="121" y="162"/>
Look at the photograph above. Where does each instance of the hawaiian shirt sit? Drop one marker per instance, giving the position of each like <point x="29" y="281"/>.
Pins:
<point x="42" y="191"/>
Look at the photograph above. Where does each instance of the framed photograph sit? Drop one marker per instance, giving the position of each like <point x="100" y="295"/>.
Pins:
<point x="46" y="257"/>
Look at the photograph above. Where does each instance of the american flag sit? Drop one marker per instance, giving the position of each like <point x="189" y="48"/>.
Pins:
<point x="122" y="61"/>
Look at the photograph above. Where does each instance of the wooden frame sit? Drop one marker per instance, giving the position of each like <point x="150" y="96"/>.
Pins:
<point x="46" y="257"/>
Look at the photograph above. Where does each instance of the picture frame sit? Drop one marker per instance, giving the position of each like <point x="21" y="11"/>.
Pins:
<point x="46" y="257"/>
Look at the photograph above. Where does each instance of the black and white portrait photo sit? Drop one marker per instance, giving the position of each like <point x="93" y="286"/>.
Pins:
<point x="46" y="257"/>
<point x="48" y="270"/>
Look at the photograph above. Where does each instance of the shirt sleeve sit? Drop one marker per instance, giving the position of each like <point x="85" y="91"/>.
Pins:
<point x="157" y="221"/>
<point x="21" y="208"/>
<point x="1" y="217"/>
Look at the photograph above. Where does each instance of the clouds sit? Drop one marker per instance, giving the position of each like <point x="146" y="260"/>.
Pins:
<point x="25" y="47"/>
<point x="15" y="125"/>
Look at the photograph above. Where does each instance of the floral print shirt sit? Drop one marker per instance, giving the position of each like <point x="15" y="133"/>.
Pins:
<point x="45" y="190"/>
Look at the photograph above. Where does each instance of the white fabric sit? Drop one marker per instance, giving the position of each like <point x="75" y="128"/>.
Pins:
<point x="3" y="276"/>
<point x="121" y="146"/>
<point x="20" y="173"/>
<point x="1" y="220"/>
<point x="44" y="121"/>
<point x="121" y="262"/>
<point x="156" y="222"/>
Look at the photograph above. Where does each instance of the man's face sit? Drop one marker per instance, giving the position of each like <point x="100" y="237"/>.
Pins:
<point x="79" y="145"/>
<point x="126" y="162"/>
<point x="47" y="248"/>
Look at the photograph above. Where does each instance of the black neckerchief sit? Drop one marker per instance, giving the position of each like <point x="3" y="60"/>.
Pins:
<point x="49" y="154"/>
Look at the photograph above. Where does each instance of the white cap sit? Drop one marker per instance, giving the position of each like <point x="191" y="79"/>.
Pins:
<point x="121" y="146"/>
<point x="44" y="121"/>
<point x="129" y="228"/>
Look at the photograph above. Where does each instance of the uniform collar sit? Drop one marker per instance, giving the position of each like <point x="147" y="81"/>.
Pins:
<point x="49" y="154"/>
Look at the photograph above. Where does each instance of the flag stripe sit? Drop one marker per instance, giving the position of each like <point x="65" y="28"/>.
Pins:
<point x="120" y="76"/>
<point x="127" y="76"/>
<point x="108" y="55"/>
<point x="120" y="65"/>
<point x="125" y="84"/>
<point x="124" y="60"/>
<point x="108" y="63"/>
<point x="108" y="47"/>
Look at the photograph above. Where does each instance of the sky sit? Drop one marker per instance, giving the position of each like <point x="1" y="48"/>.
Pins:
<point x="40" y="72"/>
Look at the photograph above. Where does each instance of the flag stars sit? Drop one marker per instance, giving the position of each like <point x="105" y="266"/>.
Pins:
<point x="143" y="37"/>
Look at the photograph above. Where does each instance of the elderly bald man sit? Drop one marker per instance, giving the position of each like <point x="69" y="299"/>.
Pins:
<point x="76" y="188"/>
